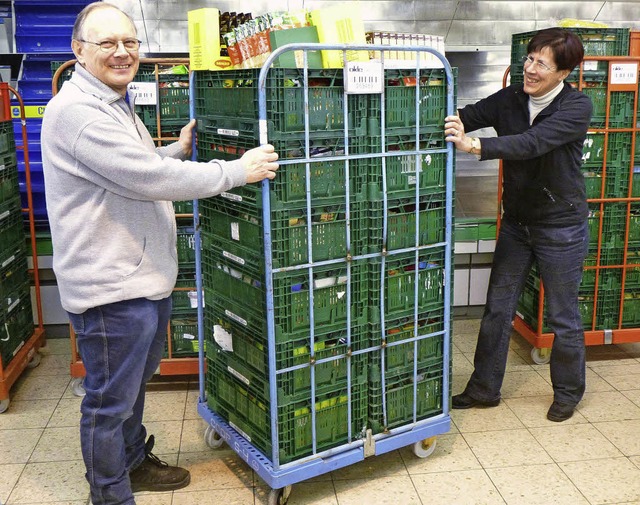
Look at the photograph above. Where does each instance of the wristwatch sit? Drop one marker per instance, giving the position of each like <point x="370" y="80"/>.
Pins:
<point x="475" y="146"/>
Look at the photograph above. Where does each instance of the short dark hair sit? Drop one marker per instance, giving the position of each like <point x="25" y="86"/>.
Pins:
<point x="565" y="45"/>
<point x="78" y="26"/>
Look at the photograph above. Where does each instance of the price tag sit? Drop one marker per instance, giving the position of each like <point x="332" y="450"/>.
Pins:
<point x="624" y="73"/>
<point x="363" y="77"/>
<point x="145" y="92"/>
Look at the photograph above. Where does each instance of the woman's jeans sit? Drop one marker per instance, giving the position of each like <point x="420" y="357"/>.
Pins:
<point x="559" y="254"/>
<point x="121" y="345"/>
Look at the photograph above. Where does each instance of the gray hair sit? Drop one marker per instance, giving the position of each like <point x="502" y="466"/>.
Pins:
<point x="78" y="26"/>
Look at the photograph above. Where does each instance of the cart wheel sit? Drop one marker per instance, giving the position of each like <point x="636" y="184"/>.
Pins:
<point x="77" y="386"/>
<point x="4" y="405"/>
<point x="213" y="438"/>
<point x="541" y="356"/>
<point x="279" y="496"/>
<point x="35" y="360"/>
<point x="424" y="448"/>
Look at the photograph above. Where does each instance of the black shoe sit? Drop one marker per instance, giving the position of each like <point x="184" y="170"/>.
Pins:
<point x="464" y="401"/>
<point x="156" y="475"/>
<point x="559" y="412"/>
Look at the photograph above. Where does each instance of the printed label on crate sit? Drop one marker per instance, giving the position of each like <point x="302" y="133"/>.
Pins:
<point x="9" y="260"/>
<point x="15" y="351"/>
<point x="188" y="336"/>
<point x="238" y="375"/>
<point x="145" y="92"/>
<point x="363" y="77"/>
<point x="590" y="65"/>
<point x="193" y="299"/>
<point x="235" y="231"/>
<point x="233" y="257"/>
<point x="228" y="133"/>
<point x="223" y="338"/>
<point x="4" y="214"/>
<point x="624" y="73"/>
<point x="235" y="317"/>
<point x="13" y="305"/>
<point x="2" y="167"/>
<point x="231" y="196"/>
<point x="240" y="431"/>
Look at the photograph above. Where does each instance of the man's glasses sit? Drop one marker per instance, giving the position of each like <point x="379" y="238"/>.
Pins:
<point x="541" y="67"/>
<point x="109" y="46"/>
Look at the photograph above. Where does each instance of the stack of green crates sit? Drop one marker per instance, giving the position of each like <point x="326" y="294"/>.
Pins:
<point x="610" y="177"/>
<point x="324" y="354"/>
<point x="16" y="321"/>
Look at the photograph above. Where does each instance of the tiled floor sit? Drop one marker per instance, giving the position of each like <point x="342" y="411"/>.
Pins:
<point x="506" y="455"/>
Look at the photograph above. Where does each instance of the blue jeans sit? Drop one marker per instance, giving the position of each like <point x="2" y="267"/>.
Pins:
<point x="121" y="345"/>
<point x="559" y="254"/>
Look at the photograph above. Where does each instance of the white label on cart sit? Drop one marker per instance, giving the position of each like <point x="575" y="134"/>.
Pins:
<point x="235" y="317"/>
<point x="233" y="257"/>
<point x="2" y="168"/>
<point x="188" y="336"/>
<point x="145" y="92"/>
<point x="193" y="299"/>
<point x="624" y="73"/>
<point x="223" y="338"/>
<point x="235" y="231"/>
<point x="4" y="214"/>
<point x="231" y="196"/>
<point x="238" y="375"/>
<point x="13" y="305"/>
<point x="590" y="65"/>
<point x="228" y="133"/>
<point x="240" y="431"/>
<point x="363" y="77"/>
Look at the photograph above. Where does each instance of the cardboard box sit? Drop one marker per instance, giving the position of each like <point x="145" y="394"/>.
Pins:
<point x="204" y="40"/>
<point x="294" y="59"/>
<point x="340" y="24"/>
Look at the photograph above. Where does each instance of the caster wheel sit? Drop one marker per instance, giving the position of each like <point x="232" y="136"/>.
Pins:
<point x="77" y="386"/>
<point x="279" y="496"/>
<point x="424" y="448"/>
<point x="541" y="356"/>
<point x="213" y="438"/>
<point x="35" y="360"/>
<point x="4" y="405"/>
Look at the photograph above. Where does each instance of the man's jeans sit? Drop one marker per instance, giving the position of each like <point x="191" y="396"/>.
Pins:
<point x="559" y="254"/>
<point x="121" y="345"/>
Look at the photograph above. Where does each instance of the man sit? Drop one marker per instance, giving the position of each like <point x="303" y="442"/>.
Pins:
<point x="109" y="192"/>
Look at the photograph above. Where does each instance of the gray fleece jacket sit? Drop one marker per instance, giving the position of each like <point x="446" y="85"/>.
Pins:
<point x="109" y="190"/>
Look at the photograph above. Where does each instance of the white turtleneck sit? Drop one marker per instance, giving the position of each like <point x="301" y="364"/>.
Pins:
<point x="536" y="104"/>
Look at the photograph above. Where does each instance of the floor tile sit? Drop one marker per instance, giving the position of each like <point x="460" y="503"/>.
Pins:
<point x="164" y="406"/>
<point x="226" y="496"/>
<point x="57" y="346"/>
<point x="17" y="445"/>
<point x="532" y="411"/>
<point x="10" y="475"/>
<point x="596" y="384"/>
<point x="166" y="435"/>
<point x="462" y="365"/>
<point x="303" y="493"/>
<point x="485" y="419"/>
<point x="192" y="439"/>
<point x="607" y="481"/>
<point x="27" y="414"/>
<point x="622" y="434"/>
<point x="58" y="444"/>
<point x="51" y="364"/>
<point x="524" y="383"/>
<point x="506" y="448"/>
<point x="154" y="499"/>
<point x="535" y="485"/>
<point x="470" y="487"/>
<point x="389" y="490"/>
<point x="67" y="413"/>
<point x="216" y="469"/>
<point x="50" y="482"/>
<point x="465" y="343"/>
<point x="390" y="464"/>
<point x="577" y="442"/>
<point x="39" y="388"/>
<point x="452" y="453"/>
<point x="608" y="406"/>
<point x="190" y="410"/>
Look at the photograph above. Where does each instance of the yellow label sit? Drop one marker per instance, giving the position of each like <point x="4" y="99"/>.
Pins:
<point x="29" y="111"/>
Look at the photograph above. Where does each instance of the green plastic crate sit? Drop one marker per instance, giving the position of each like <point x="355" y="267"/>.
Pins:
<point x="226" y="284"/>
<point x="9" y="187"/>
<point x="250" y="416"/>
<point x="184" y="336"/>
<point x="16" y="327"/>
<point x="186" y="245"/>
<point x="234" y="94"/>
<point x="185" y="283"/>
<point x="12" y="233"/>
<point x="399" y="284"/>
<point x="13" y="277"/>
<point x="608" y="298"/>
<point x="399" y="395"/>
<point x="7" y="140"/>
<point x="620" y="107"/>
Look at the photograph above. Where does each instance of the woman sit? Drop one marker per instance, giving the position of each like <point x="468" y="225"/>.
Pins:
<point x="541" y="126"/>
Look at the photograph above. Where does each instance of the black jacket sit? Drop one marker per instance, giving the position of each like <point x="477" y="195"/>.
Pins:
<point x="542" y="181"/>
